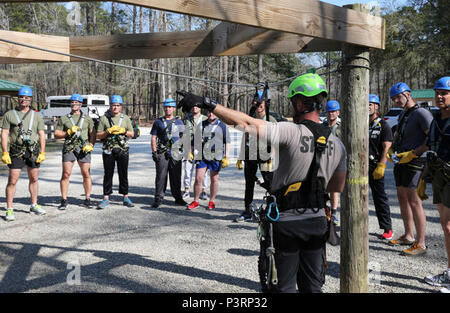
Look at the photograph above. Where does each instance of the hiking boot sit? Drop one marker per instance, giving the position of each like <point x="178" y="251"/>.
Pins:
<point x="387" y="235"/>
<point x="211" y="205"/>
<point x="193" y="205"/>
<point x="37" y="209"/>
<point x="63" y="205"/>
<point x="88" y="203"/>
<point x="186" y="194"/>
<point x="414" y="250"/>
<point x="9" y="217"/>
<point x="180" y="202"/>
<point x="440" y="280"/>
<point x="203" y="195"/>
<point x="244" y="217"/>
<point x="104" y="204"/>
<point x="127" y="202"/>
<point x="401" y="241"/>
<point x="156" y="204"/>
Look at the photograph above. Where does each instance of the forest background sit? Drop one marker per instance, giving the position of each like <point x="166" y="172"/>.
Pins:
<point x="417" y="52"/>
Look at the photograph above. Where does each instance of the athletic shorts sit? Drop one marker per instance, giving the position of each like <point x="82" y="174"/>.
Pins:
<point x="406" y="176"/>
<point x="19" y="163"/>
<point x="213" y="166"/>
<point x="70" y="157"/>
<point x="441" y="189"/>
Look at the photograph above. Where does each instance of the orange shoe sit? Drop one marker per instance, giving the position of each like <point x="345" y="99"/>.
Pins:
<point x="414" y="250"/>
<point x="401" y="241"/>
<point x="193" y="205"/>
<point x="211" y="205"/>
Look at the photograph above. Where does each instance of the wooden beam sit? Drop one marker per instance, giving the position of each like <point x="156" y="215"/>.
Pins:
<point x="11" y="53"/>
<point x="143" y="46"/>
<point x="303" y="17"/>
<point x="156" y="45"/>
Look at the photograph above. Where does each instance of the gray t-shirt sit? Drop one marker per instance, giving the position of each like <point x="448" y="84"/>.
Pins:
<point x="412" y="129"/>
<point x="294" y="148"/>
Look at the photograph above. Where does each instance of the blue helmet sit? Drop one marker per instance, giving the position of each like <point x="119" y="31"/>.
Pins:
<point x="332" y="105"/>
<point x="398" y="88"/>
<point x="76" y="97"/>
<point x="169" y="102"/>
<point x="26" y="91"/>
<point x="443" y="83"/>
<point x="116" y="99"/>
<point x="374" y="98"/>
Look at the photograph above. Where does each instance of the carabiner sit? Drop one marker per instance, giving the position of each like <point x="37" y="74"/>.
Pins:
<point x="270" y="211"/>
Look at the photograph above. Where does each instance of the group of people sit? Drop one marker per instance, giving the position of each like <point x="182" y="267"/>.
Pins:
<point x="303" y="164"/>
<point x="24" y="141"/>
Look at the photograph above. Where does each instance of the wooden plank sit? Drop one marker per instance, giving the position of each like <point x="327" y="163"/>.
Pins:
<point x="227" y="36"/>
<point x="143" y="46"/>
<point x="19" y="54"/>
<point x="303" y="17"/>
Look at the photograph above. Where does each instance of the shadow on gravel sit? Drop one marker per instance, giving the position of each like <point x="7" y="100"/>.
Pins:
<point x="101" y="273"/>
<point x="243" y="252"/>
<point x="406" y="286"/>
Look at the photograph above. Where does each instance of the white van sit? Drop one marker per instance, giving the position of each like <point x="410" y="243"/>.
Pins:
<point x="94" y="105"/>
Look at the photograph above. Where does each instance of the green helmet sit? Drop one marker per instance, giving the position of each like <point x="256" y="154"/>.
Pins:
<point x="308" y="85"/>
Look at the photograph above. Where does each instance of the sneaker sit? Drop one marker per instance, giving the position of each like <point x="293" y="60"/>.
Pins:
<point x="9" y="217"/>
<point x="88" y="203"/>
<point x="127" y="202"/>
<point x="401" y="241"/>
<point x="193" y="205"/>
<point x="414" y="250"/>
<point x="211" y="205"/>
<point x="104" y="204"/>
<point x="180" y="202"/>
<point x="203" y="195"/>
<point x="244" y="217"/>
<point x="63" y="205"/>
<point x="186" y="194"/>
<point x="444" y="290"/>
<point x="440" y="280"/>
<point x="387" y="235"/>
<point x="37" y="209"/>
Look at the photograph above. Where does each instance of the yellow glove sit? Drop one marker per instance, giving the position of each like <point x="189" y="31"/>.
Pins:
<point x="239" y="165"/>
<point x="119" y="131"/>
<point x="41" y="157"/>
<point x="378" y="173"/>
<point x="191" y="157"/>
<point x="225" y="162"/>
<point x="389" y="154"/>
<point x="267" y="166"/>
<point x="406" y="157"/>
<point x="72" y="130"/>
<point x="113" y="129"/>
<point x="88" y="148"/>
<point x="6" y="158"/>
<point x="421" y="188"/>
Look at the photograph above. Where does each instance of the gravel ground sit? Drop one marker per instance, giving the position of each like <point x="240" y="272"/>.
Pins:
<point x="169" y="249"/>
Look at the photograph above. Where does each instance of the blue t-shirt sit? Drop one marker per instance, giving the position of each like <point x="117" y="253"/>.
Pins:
<point x="165" y="129"/>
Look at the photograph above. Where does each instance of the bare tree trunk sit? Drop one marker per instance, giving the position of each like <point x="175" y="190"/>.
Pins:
<point x="355" y="206"/>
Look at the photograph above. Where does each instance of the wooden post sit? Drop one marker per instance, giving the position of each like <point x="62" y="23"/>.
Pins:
<point x="355" y="124"/>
